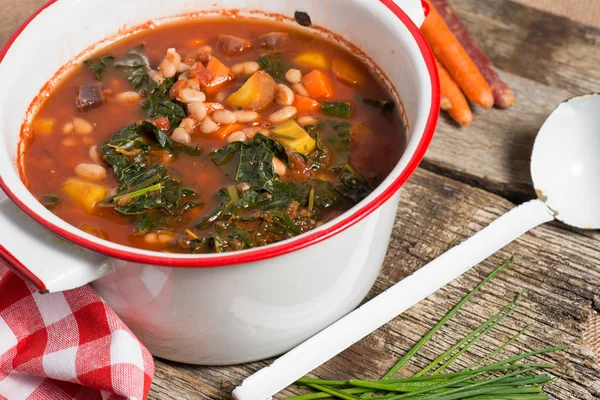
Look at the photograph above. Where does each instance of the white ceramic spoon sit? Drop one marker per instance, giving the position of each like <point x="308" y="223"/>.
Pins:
<point x="565" y="168"/>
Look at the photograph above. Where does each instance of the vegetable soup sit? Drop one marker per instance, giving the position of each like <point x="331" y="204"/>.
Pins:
<point x="211" y="135"/>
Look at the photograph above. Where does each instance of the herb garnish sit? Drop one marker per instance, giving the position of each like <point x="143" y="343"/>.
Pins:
<point x="98" y="65"/>
<point x="337" y="109"/>
<point x="509" y="378"/>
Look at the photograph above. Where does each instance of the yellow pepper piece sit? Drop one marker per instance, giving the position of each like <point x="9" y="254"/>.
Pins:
<point x="313" y="59"/>
<point x="43" y="126"/>
<point x="86" y="194"/>
<point x="347" y="72"/>
<point x="257" y="93"/>
<point x="293" y="136"/>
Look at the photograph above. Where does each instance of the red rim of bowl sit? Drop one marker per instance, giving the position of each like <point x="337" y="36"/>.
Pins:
<point x="276" y="249"/>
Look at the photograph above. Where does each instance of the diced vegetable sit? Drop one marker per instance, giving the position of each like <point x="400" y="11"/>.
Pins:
<point x="272" y="64"/>
<point x="347" y="72"/>
<point x="275" y="41"/>
<point x="226" y="130"/>
<point x="337" y="109"/>
<point x="257" y="93"/>
<point x="86" y="194"/>
<point x="305" y="104"/>
<point x="204" y="75"/>
<point x="212" y="107"/>
<point x="318" y="85"/>
<point x="313" y="59"/>
<point x="233" y="45"/>
<point x="89" y="96"/>
<point x="293" y="136"/>
<point x="43" y="126"/>
<point x="221" y="75"/>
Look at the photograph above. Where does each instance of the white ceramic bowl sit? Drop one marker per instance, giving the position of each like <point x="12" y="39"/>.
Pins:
<point x="213" y="309"/>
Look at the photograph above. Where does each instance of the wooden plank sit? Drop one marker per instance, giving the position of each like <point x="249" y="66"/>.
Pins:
<point x="557" y="267"/>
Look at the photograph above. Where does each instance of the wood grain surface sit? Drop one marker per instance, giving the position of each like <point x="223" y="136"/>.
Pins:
<point x="470" y="177"/>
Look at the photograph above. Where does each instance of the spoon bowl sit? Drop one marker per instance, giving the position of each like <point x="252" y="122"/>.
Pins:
<point x="565" y="164"/>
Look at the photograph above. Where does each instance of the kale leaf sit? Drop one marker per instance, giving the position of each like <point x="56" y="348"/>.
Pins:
<point x="250" y="162"/>
<point x="159" y="104"/>
<point x="352" y="186"/>
<point x="50" y="201"/>
<point x="136" y="66"/>
<point x="98" y="65"/>
<point x="272" y="64"/>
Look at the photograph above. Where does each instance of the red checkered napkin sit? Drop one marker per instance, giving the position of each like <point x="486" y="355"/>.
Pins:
<point x="68" y="345"/>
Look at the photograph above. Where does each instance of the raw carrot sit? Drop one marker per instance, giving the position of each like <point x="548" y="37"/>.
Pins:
<point x="305" y="104"/>
<point x="454" y="100"/>
<point x="453" y="56"/>
<point x="503" y="95"/>
<point x="226" y="130"/>
<point x="318" y="85"/>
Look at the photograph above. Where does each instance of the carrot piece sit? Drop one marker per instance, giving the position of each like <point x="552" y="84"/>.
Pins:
<point x="305" y="104"/>
<point x="503" y="95"/>
<point x="453" y="56"/>
<point x="212" y="107"/>
<point x="318" y="85"/>
<point x="453" y="99"/>
<point x="226" y="130"/>
<point x="221" y="75"/>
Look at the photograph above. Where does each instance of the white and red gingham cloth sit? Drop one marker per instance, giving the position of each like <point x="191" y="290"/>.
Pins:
<point x="67" y="345"/>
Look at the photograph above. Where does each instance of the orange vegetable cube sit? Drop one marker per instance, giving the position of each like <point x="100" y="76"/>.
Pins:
<point x="306" y="104"/>
<point x="318" y="85"/>
<point x="226" y="130"/>
<point x="221" y="75"/>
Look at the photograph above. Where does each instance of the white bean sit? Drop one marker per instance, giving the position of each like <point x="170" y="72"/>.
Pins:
<point x="183" y="67"/>
<point x="307" y="120"/>
<point x="156" y="76"/>
<point x="208" y="126"/>
<point x="68" y="142"/>
<point x="93" y="153"/>
<point x="238" y="136"/>
<point x="293" y="76"/>
<point x="188" y="95"/>
<point x="151" y="238"/>
<point x="220" y="97"/>
<point x="129" y="97"/>
<point x="173" y="56"/>
<point x="188" y="124"/>
<point x="244" y="116"/>
<point x="285" y="95"/>
<point x="197" y="110"/>
<point x="283" y="114"/>
<point x="246" y="68"/>
<point x="251" y="132"/>
<point x="224" y="117"/>
<point x="300" y="89"/>
<point x="279" y="167"/>
<point x="82" y="126"/>
<point x="164" y="238"/>
<point x="68" y="128"/>
<point x="93" y="172"/>
<point x="182" y="136"/>
<point x="184" y="76"/>
<point x="167" y="68"/>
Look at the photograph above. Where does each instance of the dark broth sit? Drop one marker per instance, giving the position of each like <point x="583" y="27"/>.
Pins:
<point x="51" y="155"/>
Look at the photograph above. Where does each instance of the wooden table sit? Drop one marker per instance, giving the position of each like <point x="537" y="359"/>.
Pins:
<point x="469" y="178"/>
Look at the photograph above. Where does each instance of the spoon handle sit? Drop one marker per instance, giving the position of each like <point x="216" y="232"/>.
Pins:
<point x="394" y="301"/>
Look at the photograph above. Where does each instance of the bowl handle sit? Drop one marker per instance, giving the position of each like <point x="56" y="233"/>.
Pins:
<point x="416" y="10"/>
<point x="50" y="263"/>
